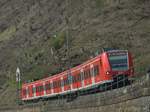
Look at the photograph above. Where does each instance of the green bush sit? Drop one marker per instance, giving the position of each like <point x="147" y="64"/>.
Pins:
<point x="59" y="40"/>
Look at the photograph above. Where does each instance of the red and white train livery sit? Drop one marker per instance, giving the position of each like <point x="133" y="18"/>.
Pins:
<point x="94" y="72"/>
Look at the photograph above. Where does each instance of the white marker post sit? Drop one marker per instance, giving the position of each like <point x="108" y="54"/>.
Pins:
<point x="18" y="79"/>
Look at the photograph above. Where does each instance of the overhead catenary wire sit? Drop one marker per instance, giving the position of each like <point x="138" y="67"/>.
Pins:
<point x="68" y="39"/>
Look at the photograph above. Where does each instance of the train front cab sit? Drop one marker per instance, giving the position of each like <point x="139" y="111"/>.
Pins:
<point x="119" y="65"/>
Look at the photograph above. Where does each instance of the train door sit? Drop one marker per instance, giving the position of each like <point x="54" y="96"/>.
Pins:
<point x="87" y="76"/>
<point x="82" y="77"/>
<point x="67" y="86"/>
<point x="48" y="87"/>
<point x="76" y="79"/>
<point x="39" y="89"/>
<point x="97" y="74"/>
<point x="30" y="88"/>
<point x="92" y="74"/>
<point x="57" y="85"/>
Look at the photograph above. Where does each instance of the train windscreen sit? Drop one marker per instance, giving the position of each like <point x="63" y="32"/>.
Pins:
<point x="118" y="60"/>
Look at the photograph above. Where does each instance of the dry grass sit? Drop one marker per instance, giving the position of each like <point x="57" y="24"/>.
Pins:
<point x="7" y="34"/>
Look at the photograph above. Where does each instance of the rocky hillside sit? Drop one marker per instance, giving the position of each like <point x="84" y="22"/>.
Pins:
<point x="33" y="34"/>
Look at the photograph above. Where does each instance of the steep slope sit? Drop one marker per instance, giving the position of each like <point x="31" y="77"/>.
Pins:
<point x="30" y="28"/>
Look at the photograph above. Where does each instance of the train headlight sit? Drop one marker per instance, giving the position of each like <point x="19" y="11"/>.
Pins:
<point x="107" y="73"/>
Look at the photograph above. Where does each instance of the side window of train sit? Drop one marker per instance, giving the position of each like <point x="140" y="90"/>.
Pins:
<point x="33" y="89"/>
<point x="96" y="70"/>
<point x="70" y="78"/>
<point x="27" y="90"/>
<point x="39" y="88"/>
<point x="76" y="78"/>
<point x="73" y="79"/>
<point x="62" y="82"/>
<point x="66" y="82"/>
<point x="92" y="70"/>
<point x="48" y="86"/>
<point x="54" y="84"/>
<point x="79" y="77"/>
<point x="57" y="83"/>
<point x="82" y="74"/>
<point x="36" y="89"/>
<point x="87" y="74"/>
<point x="42" y="88"/>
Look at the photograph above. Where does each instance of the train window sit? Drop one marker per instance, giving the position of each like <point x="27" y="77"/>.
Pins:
<point x="96" y="70"/>
<point x="36" y="89"/>
<point x="66" y="81"/>
<point x="73" y="78"/>
<point x="48" y="86"/>
<point x="56" y="84"/>
<point x="82" y="75"/>
<point x="44" y="88"/>
<point x="59" y="83"/>
<point x="70" y="78"/>
<point x="87" y="74"/>
<point x="39" y="88"/>
<point x="27" y="91"/>
<point x="92" y="71"/>
<point x="52" y="86"/>
<point x="62" y="83"/>
<point x="76" y="78"/>
<point x="79" y="77"/>
<point x="33" y="90"/>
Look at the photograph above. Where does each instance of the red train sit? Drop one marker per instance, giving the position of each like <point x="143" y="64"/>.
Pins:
<point x="100" y="70"/>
